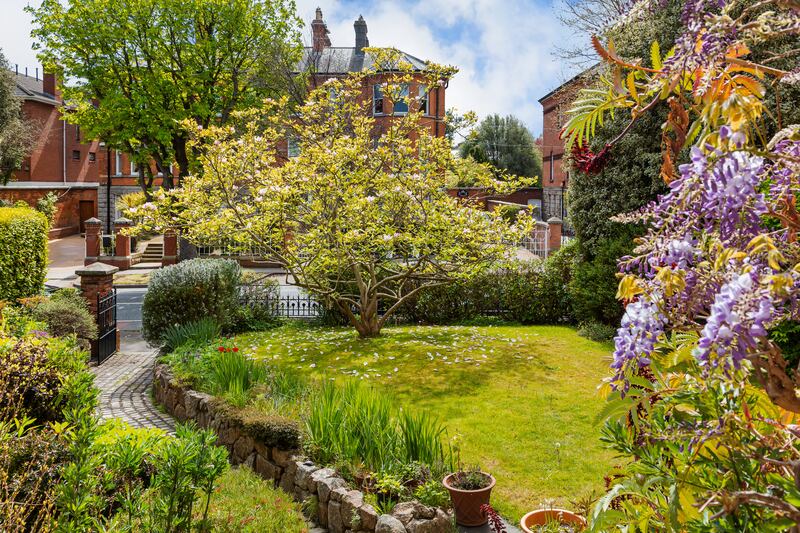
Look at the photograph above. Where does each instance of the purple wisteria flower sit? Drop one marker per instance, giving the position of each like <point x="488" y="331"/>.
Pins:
<point x="738" y="319"/>
<point x="642" y="325"/>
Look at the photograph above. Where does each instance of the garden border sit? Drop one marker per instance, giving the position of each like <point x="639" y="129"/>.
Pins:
<point x="338" y="508"/>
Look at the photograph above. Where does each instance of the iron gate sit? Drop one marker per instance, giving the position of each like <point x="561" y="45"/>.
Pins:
<point x="106" y="325"/>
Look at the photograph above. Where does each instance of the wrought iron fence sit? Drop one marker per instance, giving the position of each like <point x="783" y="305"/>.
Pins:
<point x="106" y="325"/>
<point x="229" y="248"/>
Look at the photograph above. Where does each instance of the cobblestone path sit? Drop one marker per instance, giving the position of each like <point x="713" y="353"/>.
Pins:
<point x="124" y="381"/>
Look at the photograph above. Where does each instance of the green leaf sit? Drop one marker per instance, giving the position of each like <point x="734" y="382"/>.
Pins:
<point x="655" y="55"/>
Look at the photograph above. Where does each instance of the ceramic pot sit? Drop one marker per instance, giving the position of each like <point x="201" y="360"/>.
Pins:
<point x="467" y="503"/>
<point x="541" y="517"/>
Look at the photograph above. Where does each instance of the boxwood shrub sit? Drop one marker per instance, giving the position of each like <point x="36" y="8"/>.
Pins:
<point x="23" y="252"/>
<point x="189" y="291"/>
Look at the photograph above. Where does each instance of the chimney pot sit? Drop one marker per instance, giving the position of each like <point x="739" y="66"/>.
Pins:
<point x="319" y="33"/>
<point x="362" y="41"/>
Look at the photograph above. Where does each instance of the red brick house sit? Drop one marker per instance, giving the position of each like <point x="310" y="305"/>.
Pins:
<point x="65" y="162"/>
<point x="555" y="179"/>
<point x="325" y="61"/>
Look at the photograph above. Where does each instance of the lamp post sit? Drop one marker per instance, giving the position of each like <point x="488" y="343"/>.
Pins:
<point x="108" y="187"/>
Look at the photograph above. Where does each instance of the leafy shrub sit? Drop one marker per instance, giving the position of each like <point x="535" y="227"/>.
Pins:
<point x="23" y="252"/>
<point x="597" y="331"/>
<point x="46" y="205"/>
<point x="433" y="494"/>
<point x="529" y="292"/>
<point x="256" y="306"/>
<point x="29" y="382"/>
<point x="187" y="292"/>
<point x="593" y="286"/>
<point x="30" y="460"/>
<point x="197" y="333"/>
<point x="65" y="316"/>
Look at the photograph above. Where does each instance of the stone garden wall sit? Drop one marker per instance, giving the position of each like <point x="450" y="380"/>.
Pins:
<point x="338" y="508"/>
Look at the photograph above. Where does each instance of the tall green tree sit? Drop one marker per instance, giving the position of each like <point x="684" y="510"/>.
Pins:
<point x="137" y="68"/>
<point x="16" y="134"/>
<point x="361" y="221"/>
<point x="506" y="144"/>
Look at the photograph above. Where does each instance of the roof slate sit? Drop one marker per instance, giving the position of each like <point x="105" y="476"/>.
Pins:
<point x="343" y="60"/>
<point x="31" y="88"/>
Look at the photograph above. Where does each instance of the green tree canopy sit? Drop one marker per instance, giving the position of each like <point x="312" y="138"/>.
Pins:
<point x="506" y="144"/>
<point x="359" y="217"/>
<point x="137" y="68"/>
<point x="16" y="134"/>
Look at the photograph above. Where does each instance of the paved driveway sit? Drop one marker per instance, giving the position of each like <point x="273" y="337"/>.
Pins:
<point x="64" y="257"/>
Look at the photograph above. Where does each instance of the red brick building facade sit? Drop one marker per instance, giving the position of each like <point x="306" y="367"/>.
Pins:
<point x="65" y="162"/>
<point x="555" y="178"/>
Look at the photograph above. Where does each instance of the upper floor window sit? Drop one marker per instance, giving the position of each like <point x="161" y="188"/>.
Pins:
<point x="76" y="155"/>
<point x="118" y="163"/>
<point x="423" y="100"/>
<point x="134" y="169"/>
<point x="92" y="157"/>
<point x="377" y="100"/>
<point x="401" y="103"/>
<point x="292" y="147"/>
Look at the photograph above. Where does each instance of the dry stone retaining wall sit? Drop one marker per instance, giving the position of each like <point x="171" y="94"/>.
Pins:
<point x="338" y="508"/>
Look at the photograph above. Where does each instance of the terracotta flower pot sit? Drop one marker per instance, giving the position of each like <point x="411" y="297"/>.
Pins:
<point x="467" y="503"/>
<point x="541" y="517"/>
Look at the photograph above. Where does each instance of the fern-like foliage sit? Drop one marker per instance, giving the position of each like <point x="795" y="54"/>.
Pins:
<point x="589" y="110"/>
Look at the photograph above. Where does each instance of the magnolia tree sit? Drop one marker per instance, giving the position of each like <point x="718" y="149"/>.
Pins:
<point x="358" y="215"/>
<point x="704" y="393"/>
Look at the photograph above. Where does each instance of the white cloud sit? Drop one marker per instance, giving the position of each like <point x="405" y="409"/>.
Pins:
<point x="502" y="47"/>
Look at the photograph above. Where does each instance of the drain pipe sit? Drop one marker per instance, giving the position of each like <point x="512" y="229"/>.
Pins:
<point x="64" y="149"/>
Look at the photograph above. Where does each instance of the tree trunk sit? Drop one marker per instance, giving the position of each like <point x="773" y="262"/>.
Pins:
<point x="366" y="321"/>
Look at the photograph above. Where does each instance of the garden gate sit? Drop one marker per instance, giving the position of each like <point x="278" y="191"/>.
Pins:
<point x="106" y="325"/>
<point x="538" y="242"/>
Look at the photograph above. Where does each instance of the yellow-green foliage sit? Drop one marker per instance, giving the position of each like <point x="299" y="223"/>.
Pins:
<point x="23" y="252"/>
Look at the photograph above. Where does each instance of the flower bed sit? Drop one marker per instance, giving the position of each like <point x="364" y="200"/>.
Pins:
<point x="327" y="496"/>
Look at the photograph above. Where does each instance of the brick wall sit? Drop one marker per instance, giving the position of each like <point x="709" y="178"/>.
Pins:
<point x="67" y="220"/>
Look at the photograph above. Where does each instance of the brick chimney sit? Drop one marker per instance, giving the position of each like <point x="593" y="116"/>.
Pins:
<point x="361" y="35"/>
<point x="319" y="33"/>
<point x="49" y="84"/>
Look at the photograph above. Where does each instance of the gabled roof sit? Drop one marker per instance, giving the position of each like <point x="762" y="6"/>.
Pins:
<point x="583" y="74"/>
<point x="343" y="60"/>
<point x="29" y="88"/>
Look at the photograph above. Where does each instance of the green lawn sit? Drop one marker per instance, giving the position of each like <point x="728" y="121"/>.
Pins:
<point x="521" y="398"/>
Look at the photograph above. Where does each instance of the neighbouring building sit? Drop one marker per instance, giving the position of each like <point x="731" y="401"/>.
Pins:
<point x="555" y="178"/>
<point x="325" y="61"/>
<point x="65" y="162"/>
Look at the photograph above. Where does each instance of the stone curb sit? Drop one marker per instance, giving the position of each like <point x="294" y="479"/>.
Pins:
<point x="336" y="508"/>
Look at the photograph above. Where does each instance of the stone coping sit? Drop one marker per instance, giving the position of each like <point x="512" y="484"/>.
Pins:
<point x="324" y="494"/>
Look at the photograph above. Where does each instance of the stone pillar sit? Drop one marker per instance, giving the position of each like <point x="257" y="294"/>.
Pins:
<point x="554" y="224"/>
<point x="122" y="244"/>
<point x="93" y="240"/>
<point x="97" y="279"/>
<point x="170" y="248"/>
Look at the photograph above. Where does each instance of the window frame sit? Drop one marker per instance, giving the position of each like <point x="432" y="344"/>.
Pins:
<point x="424" y="95"/>
<point x="376" y="88"/>
<point x="117" y="163"/>
<point x="404" y="89"/>
<point x="76" y="155"/>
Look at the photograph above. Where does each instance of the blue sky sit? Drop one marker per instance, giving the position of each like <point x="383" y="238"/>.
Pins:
<point x="503" y="48"/>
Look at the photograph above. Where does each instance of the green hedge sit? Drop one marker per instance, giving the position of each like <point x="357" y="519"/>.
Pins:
<point x="23" y="252"/>
<point x="530" y="292"/>
<point x="189" y="291"/>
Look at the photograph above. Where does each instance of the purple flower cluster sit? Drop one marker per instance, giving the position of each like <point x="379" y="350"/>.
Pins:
<point x="642" y="325"/>
<point x="737" y="321"/>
